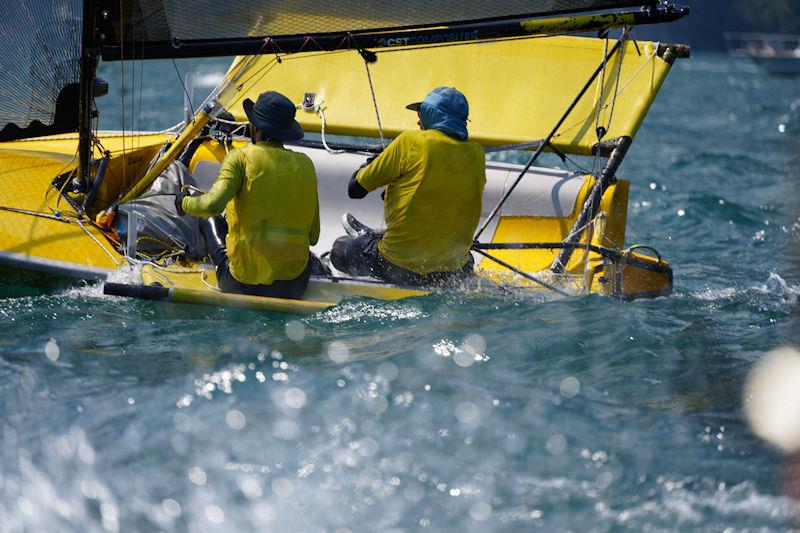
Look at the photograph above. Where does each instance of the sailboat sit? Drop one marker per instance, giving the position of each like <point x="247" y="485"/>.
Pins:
<point x="776" y="53"/>
<point x="81" y="203"/>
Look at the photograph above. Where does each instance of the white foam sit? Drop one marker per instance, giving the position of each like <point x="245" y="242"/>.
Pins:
<point x="360" y="311"/>
<point x="712" y="295"/>
<point x="774" y="285"/>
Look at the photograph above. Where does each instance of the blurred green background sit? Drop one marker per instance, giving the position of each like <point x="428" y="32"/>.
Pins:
<point x="709" y="19"/>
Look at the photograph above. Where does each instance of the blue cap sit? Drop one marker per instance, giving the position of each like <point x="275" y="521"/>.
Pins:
<point x="445" y="109"/>
<point x="274" y="113"/>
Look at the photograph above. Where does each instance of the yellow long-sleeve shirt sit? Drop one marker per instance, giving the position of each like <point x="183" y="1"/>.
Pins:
<point x="269" y="194"/>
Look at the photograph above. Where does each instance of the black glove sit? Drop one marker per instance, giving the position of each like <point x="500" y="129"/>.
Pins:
<point x="179" y="201"/>
<point x="369" y="160"/>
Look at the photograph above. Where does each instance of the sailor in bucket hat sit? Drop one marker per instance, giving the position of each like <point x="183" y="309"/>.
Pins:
<point x="274" y="114"/>
<point x="269" y="195"/>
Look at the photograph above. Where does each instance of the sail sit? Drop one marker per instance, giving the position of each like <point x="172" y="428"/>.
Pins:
<point x="40" y="53"/>
<point x="41" y="45"/>
<point x="173" y="28"/>
<point x="517" y="89"/>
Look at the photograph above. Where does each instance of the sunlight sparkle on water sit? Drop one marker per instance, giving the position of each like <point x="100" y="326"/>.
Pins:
<point x="235" y="420"/>
<point x="338" y="352"/>
<point x="282" y="487"/>
<point x="51" y="350"/>
<point x="171" y="508"/>
<point x="770" y="399"/>
<point x="467" y="413"/>
<point x="295" y="398"/>
<point x="214" y="514"/>
<point x="296" y="330"/>
<point x="197" y="475"/>
<point x="250" y="487"/>
<point x="570" y="387"/>
<point x="556" y="444"/>
<point x="388" y="371"/>
<point x="480" y="512"/>
<point x="465" y="355"/>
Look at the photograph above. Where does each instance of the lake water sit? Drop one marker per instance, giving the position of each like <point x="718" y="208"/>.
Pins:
<point x="444" y="413"/>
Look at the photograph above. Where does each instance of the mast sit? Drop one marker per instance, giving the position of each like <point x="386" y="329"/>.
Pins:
<point x="88" y="68"/>
<point x="606" y="178"/>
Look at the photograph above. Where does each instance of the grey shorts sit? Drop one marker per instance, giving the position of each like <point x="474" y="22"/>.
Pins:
<point x="360" y="256"/>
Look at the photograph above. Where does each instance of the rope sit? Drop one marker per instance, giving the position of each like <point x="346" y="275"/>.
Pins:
<point x="328" y="149"/>
<point x="89" y="233"/>
<point x="600" y="132"/>
<point x="35" y="214"/>
<point x="206" y="283"/>
<point x="370" y="57"/>
<point x="523" y="273"/>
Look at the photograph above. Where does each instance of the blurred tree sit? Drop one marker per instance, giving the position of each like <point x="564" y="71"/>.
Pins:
<point x="780" y="16"/>
<point x="703" y="28"/>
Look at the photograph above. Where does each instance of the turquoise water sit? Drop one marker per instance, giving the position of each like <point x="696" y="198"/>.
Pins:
<point x="449" y="412"/>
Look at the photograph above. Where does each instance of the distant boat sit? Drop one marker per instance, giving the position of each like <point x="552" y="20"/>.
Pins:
<point x="776" y="53"/>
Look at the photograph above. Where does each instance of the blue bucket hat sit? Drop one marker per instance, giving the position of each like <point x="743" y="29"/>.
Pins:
<point x="274" y="113"/>
<point x="444" y="109"/>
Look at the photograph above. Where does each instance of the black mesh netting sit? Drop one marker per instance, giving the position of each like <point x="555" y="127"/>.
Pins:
<point x="166" y="20"/>
<point x="40" y="43"/>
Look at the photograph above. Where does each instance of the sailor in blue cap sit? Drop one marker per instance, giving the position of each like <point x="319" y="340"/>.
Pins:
<point x="269" y="195"/>
<point x="434" y="179"/>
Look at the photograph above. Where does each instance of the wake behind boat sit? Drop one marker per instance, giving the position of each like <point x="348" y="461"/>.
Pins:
<point x="87" y="205"/>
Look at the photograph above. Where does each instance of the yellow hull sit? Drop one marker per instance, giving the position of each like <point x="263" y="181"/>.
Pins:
<point x="199" y="286"/>
<point x="38" y="228"/>
<point x="40" y="231"/>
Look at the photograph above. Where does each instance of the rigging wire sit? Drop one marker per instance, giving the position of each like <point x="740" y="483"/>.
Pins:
<point x="133" y="94"/>
<point x="622" y="89"/>
<point x="185" y="91"/>
<point x="543" y="145"/>
<point x="122" y="87"/>
<point x="141" y="90"/>
<point x="599" y="107"/>
<point x="601" y="130"/>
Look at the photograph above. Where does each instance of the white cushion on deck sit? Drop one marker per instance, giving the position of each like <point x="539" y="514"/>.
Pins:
<point x="542" y="192"/>
<point x="205" y="173"/>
